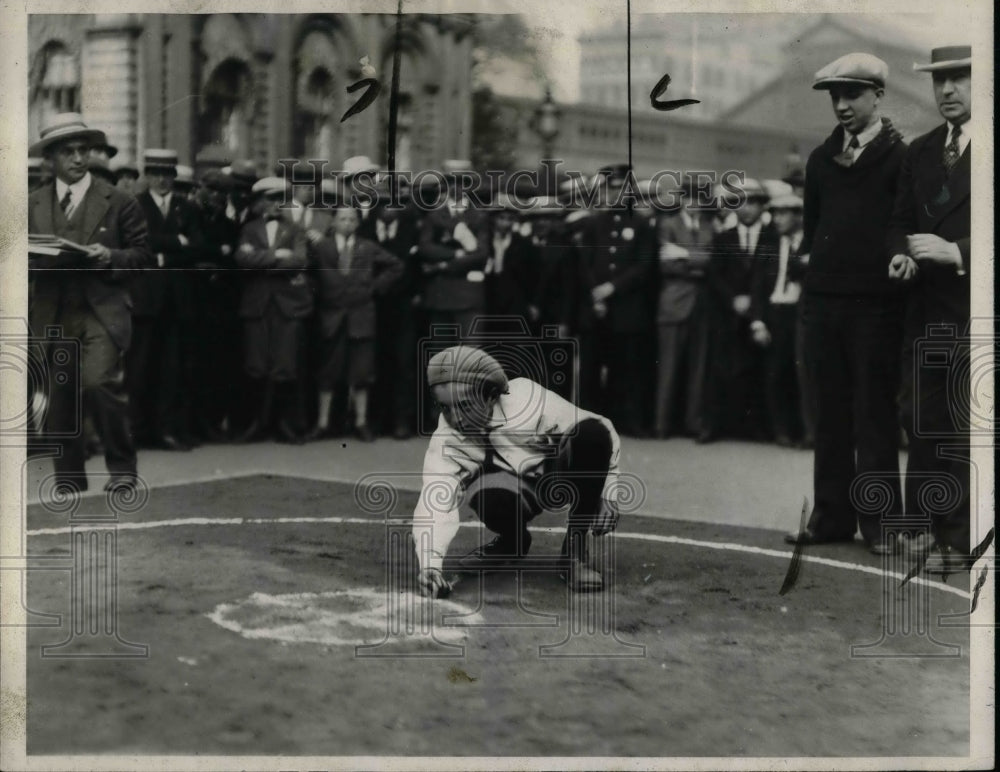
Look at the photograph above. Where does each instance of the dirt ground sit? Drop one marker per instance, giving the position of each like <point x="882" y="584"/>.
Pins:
<point x="729" y="667"/>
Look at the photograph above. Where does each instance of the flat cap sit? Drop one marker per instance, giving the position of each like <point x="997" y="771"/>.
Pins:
<point x="216" y="179"/>
<point x="752" y="188"/>
<point x="243" y="173"/>
<point x="857" y="68"/>
<point x="465" y="364"/>
<point x="267" y="186"/>
<point x="786" y="201"/>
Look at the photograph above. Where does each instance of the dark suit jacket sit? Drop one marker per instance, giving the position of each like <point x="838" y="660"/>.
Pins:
<point x="448" y="288"/>
<point x="731" y="271"/>
<point x="765" y="275"/>
<point x="682" y="280"/>
<point x="938" y="294"/>
<point x="555" y="291"/>
<point x="620" y="249"/>
<point x="167" y="289"/>
<point x="510" y="291"/>
<point x="350" y="296"/>
<point x="269" y="278"/>
<point x="403" y="245"/>
<point x="105" y="216"/>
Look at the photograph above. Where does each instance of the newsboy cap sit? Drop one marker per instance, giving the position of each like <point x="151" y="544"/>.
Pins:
<point x="465" y="364"/>
<point x="270" y="186"/>
<point x="859" y="69"/>
<point x="947" y="58"/>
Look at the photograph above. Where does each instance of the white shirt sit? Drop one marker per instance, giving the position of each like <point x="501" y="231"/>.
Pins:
<point x="749" y="235"/>
<point x="272" y="232"/>
<point x="78" y="189"/>
<point x="495" y="263"/>
<point x="786" y="292"/>
<point x="162" y="202"/>
<point x="386" y="231"/>
<point x="865" y="136"/>
<point x="963" y="139"/>
<point x="528" y="423"/>
<point x="343" y="243"/>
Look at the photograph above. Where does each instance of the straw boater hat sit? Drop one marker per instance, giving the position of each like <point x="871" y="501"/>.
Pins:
<point x="359" y="164"/>
<point x="64" y="127"/>
<point x="159" y="159"/>
<point x="947" y="58"/>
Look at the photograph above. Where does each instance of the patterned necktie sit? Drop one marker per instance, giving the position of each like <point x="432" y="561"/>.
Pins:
<point x="846" y="159"/>
<point x="951" y="153"/>
<point x="66" y="203"/>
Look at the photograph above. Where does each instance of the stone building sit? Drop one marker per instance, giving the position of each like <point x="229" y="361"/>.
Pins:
<point x="217" y="87"/>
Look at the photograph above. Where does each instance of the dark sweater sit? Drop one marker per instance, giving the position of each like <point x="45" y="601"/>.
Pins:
<point x="847" y="210"/>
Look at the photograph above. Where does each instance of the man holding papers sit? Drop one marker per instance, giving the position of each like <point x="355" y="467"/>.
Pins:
<point x="86" y="301"/>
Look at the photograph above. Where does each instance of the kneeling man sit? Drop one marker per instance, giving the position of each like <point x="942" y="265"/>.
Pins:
<point x="511" y="448"/>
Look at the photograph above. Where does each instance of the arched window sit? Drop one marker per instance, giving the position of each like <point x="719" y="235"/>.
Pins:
<point x="318" y="95"/>
<point x="55" y="85"/>
<point x="227" y="106"/>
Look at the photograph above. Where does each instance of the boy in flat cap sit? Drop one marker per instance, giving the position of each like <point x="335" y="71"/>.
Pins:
<point x="853" y="311"/>
<point x="499" y="445"/>
<point x="929" y="243"/>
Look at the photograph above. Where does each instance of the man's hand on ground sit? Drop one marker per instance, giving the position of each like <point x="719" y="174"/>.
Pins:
<point x="432" y="583"/>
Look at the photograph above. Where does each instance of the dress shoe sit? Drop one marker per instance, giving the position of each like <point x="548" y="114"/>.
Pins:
<point x="287" y="434"/>
<point x="402" y="432"/>
<point x="945" y="560"/>
<point x="252" y="433"/>
<point x="807" y="536"/>
<point x="582" y="578"/>
<point x="881" y="546"/>
<point x="65" y="488"/>
<point x="169" y="442"/>
<point x="704" y="437"/>
<point x="364" y="433"/>
<point x="317" y="433"/>
<point x="120" y="483"/>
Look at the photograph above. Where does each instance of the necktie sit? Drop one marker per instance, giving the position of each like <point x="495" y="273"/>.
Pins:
<point x="744" y="238"/>
<point x="846" y="159"/>
<point x="344" y="261"/>
<point x="66" y="203"/>
<point x="164" y="207"/>
<point x="783" y="254"/>
<point x="951" y="154"/>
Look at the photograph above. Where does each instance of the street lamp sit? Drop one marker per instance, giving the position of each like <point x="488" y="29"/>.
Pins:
<point x="546" y="125"/>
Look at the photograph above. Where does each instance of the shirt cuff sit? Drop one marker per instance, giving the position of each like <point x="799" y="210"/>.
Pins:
<point x="957" y="256"/>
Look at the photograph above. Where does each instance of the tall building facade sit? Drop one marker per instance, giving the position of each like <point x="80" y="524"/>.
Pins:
<point x="217" y="87"/>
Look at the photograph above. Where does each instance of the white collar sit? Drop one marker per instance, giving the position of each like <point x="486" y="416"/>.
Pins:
<point x="866" y="135"/>
<point x="79" y="188"/>
<point x="162" y="201"/>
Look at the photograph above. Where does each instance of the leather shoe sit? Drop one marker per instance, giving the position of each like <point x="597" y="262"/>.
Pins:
<point x="120" y="483"/>
<point x="881" y="547"/>
<point x="705" y="437"/>
<point x="169" y="442"/>
<point x="402" y="433"/>
<point x="945" y="560"/>
<point x="807" y="536"/>
<point x="582" y="578"/>
<point x="287" y="434"/>
<point x="364" y="433"/>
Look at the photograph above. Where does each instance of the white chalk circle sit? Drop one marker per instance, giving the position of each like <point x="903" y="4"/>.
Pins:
<point x="345" y="618"/>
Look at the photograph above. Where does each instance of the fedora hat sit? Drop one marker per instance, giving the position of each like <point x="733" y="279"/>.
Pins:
<point x="947" y="58"/>
<point x="64" y="127"/>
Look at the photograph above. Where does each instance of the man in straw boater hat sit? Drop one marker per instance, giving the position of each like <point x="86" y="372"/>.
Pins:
<point x="505" y="447"/>
<point x="929" y="246"/>
<point x="164" y="311"/>
<point x="277" y="299"/>
<point x="87" y="299"/>
<point x="853" y="310"/>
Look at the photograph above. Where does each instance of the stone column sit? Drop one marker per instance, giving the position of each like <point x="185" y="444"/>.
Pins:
<point x="110" y="83"/>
